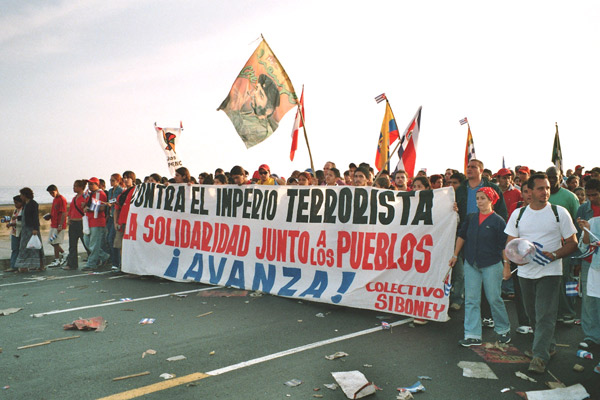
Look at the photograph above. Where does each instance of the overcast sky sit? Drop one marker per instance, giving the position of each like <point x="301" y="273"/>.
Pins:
<point x="83" y="82"/>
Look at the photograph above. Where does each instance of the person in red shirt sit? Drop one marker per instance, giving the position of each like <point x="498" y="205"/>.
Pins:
<point x="122" y="212"/>
<point x="94" y="211"/>
<point x="511" y="194"/>
<point x="75" y="224"/>
<point x="58" y="224"/>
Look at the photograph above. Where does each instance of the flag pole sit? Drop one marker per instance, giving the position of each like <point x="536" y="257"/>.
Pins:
<point x="312" y="165"/>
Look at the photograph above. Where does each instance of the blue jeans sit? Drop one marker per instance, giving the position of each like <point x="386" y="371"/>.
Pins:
<point x="15" y="242"/>
<point x="491" y="278"/>
<point x="115" y="254"/>
<point x="590" y="308"/>
<point x="93" y="241"/>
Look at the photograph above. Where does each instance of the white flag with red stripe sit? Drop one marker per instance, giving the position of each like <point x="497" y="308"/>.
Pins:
<point x="298" y="123"/>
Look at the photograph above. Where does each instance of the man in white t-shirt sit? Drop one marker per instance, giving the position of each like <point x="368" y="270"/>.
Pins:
<point x="551" y="229"/>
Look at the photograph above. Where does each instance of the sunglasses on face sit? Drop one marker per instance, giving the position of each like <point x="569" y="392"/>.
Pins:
<point x="263" y="172"/>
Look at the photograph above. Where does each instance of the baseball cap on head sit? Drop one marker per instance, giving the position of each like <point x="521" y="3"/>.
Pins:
<point x="503" y="172"/>
<point x="265" y="167"/>
<point x="524" y="170"/>
<point x="94" y="180"/>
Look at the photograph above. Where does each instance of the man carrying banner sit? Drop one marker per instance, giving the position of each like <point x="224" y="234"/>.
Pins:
<point x="547" y="226"/>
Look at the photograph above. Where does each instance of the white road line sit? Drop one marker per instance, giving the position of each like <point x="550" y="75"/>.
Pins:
<point x="295" y="350"/>
<point x="53" y="278"/>
<point x="122" y="302"/>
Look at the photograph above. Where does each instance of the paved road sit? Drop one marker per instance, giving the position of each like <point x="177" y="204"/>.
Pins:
<point x="259" y="343"/>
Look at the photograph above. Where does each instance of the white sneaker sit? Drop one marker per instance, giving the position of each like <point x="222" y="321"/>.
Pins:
<point x="63" y="258"/>
<point x="488" y="322"/>
<point x="54" y="263"/>
<point x="524" y="329"/>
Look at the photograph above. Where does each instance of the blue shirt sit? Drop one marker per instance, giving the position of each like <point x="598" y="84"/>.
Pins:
<point x="483" y="243"/>
<point x="471" y="201"/>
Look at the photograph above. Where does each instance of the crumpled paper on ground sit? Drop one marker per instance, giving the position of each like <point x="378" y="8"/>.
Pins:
<point x="354" y="384"/>
<point x="480" y="370"/>
<point x="96" y="323"/>
<point x="574" y="392"/>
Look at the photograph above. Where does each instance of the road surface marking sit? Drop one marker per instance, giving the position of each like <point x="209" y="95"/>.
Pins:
<point x="144" y="390"/>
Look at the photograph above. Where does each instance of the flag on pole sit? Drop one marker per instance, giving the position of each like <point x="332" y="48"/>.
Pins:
<point x="556" y="152"/>
<point x="470" y="148"/>
<point x="260" y="96"/>
<point x="298" y="123"/>
<point x="380" y="98"/>
<point x="387" y="136"/>
<point x="168" y="138"/>
<point x="408" y="147"/>
<point x="463" y="121"/>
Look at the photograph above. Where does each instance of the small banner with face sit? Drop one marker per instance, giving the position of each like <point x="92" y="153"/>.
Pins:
<point x="168" y="138"/>
<point x="259" y="97"/>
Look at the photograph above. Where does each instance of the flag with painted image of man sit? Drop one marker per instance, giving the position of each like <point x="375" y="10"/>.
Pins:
<point x="260" y="96"/>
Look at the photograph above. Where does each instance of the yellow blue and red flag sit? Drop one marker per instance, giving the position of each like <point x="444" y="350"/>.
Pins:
<point x="469" y="149"/>
<point x="387" y="136"/>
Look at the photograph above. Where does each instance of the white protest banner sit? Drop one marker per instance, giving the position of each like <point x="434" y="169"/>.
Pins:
<point x="168" y="139"/>
<point x="357" y="247"/>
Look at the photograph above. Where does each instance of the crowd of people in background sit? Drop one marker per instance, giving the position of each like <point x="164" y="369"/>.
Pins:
<point x="551" y="210"/>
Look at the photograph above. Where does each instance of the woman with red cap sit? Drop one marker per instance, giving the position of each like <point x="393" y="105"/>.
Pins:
<point x="483" y="238"/>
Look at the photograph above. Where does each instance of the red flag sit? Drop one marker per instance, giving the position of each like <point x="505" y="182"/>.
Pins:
<point x="298" y="123"/>
<point x="408" y="149"/>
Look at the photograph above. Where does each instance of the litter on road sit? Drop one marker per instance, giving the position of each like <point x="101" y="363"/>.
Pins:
<point x="574" y="392"/>
<point x="338" y="354"/>
<point x="354" y="384"/>
<point x="9" y="311"/>
<point x="414" y="388"/>
<point x="293" y="382"/>
<point x="524" y="377"/>
<point x="147" y="321"/>
<point x="167" y="376"/>
<point x="120" y="378"/>
<point x="149" y="351"/>
<point x="204" y="315"/>
<point x="177" y="358"/>
<point x="96" y="323"/>
<point x="478" y="370"/>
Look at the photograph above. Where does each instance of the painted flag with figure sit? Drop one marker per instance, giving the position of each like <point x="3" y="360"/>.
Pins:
<point x="470" y="148"/>
<point x="168" y="139"/>
<point x="387" y="136"/>
<point x="298" y="123"/>
<point x="259" y="97"/>
<point x="408" y="145"/>
<point x="556" y="152"/>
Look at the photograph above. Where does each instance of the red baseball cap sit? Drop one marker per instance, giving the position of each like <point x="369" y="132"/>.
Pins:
<point x="579" y="167"/>
<point x="524" y="170"/>
<point x="94" y="180"/>
<point x="503" y="172"/>
<point x="265" y="167"/>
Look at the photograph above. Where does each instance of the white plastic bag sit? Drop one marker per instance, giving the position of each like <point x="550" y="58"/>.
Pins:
<point x="86" y="225"/>
<point x="34" y="243"/>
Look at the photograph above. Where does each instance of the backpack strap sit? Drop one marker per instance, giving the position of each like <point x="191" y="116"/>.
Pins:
<point x="555" y="211"/>
<point x="521" y="211"/>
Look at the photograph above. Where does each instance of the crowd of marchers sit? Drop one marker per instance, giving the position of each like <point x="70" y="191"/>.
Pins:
<point x="558" y="215"/>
